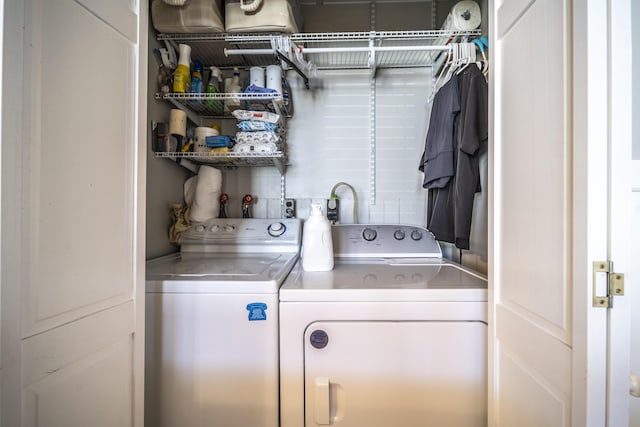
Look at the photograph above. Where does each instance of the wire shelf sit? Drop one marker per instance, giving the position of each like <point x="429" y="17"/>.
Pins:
<point x="278" y="159"/>
<point x="340" y="50"/>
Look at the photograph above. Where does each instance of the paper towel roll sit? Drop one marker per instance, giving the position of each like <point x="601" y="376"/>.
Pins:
<point x="464" y="16"/>
<point x="206" y="200"/>
<point x="274" y="78"/>
<point x="178" y="123"/>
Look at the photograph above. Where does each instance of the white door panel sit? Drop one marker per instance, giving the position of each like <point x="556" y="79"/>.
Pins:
<point x="81" y="172"/>
<point x="533" y="253"/>
<point x="72" y="325"/>
<point x="561" y="144"/>
<point x="76" y="372"/>
<point x="531" y="348"/>
<point x="121" y="14"/>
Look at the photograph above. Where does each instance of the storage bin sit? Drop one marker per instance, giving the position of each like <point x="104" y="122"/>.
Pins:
<point x="280" y="16"/>
<point x="198" y="16"/>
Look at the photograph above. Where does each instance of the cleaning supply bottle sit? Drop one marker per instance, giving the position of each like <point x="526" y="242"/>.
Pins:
<point x="182" y="74"/>
<point x="196" y="77"/>
<point x="213" y="87"/>
<point x="317" y="243"/>
<point x="233" y="103"/>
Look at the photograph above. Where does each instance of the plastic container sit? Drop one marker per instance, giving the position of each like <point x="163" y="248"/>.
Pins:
<point x="213" y="87"/>
<point x="196" y="77"/>
<point x="317" y="243"/>
<point x="182" y="75"/>
<point x="233" y="87"/>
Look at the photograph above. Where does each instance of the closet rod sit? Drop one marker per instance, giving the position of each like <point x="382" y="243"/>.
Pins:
<point x="228" y="52"/>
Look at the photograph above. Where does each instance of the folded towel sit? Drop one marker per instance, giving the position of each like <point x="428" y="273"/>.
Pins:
<point x="259" y="89"/>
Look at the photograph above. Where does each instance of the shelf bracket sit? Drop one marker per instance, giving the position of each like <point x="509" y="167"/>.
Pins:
<point x="290" y="63"/>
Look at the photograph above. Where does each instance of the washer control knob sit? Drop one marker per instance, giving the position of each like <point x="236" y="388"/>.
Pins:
<point x="229" y="227"/>
<point x="276" y="229"/>
<point x="200" y="228"/>
<point x="416" y="234"/>
<point x="214" y="228"/>
<point x="399" y="235"/>
<point x="369" y="234"/>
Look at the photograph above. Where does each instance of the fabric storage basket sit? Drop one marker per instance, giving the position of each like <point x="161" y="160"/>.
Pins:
<point x="281" y="16"/>
<point x="196" y="16"/>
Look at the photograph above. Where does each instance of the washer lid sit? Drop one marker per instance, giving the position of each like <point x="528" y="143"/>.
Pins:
<point x="219" y="272"/>
<point x="386" y="280"/>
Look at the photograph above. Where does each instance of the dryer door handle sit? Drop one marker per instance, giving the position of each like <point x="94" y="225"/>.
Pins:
<point x="322" y="404"/>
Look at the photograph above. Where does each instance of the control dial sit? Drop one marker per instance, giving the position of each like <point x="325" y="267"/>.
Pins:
<point x="200" y="228"/>
<point x="416" y="234"/>
<point x="369" y="234"/>
<point x="399" y="234"/>
<point x="276" y="229"/>
<point x="229" y="227"/>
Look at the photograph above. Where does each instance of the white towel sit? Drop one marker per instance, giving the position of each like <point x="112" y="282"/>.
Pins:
<point x="206" y="197"/>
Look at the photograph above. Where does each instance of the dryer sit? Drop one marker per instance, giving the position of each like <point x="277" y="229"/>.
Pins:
<point x="394" y="335"/>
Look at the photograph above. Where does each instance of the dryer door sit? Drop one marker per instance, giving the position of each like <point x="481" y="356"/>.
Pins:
<point x="409" y="374"/>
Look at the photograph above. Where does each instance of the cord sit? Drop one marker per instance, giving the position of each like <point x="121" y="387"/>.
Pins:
<point x="355" y="198"/>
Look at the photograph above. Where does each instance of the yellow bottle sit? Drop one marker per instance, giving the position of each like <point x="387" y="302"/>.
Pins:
<point x="182" y="75"/>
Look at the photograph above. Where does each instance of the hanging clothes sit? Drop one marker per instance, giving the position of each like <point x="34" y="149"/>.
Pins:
<point x="437" y="159"/>
<point x="450" y="198"/>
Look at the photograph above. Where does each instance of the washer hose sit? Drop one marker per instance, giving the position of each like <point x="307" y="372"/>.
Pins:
<point x="355" y="198"/>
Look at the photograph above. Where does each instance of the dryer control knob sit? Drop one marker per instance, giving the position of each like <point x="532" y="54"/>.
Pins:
<point x="214" y="228"/>
<point x="399" y="235"/>
<point x="276" y="229"/>
<point x="369" y="234"/>
<point x="229" y="227"/>
<point x="200" y="228"/>
<point x="416" y="234"/>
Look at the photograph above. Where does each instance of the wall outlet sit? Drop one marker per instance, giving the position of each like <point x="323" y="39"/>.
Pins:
<point x="333" y="210"/>
<point x="289" y="208"/>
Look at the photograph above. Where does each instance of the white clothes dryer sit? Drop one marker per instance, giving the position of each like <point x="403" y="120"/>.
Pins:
<point x="394" y="336"/>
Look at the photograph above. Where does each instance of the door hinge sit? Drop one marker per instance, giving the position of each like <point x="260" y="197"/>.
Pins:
<point x="614" y="284"/>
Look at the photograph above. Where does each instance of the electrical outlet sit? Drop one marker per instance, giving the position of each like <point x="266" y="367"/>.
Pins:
<point x="333" y="209"/>
<point x="289" y="208"/>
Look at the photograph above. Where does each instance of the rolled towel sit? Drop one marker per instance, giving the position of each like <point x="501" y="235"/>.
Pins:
<point x="206" y="200"/>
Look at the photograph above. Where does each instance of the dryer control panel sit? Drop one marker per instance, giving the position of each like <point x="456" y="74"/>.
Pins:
<point x="384" y="241"/>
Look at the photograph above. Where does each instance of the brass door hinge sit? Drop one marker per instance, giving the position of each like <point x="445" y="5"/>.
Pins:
<point x="614" y="284"/>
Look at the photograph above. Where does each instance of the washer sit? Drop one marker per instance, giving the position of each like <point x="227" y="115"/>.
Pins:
<point x="394" y="335"/>
<point x="212" y="324"/>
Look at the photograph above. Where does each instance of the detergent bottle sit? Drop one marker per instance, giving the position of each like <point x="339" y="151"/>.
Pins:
<point x="317" y="243"/>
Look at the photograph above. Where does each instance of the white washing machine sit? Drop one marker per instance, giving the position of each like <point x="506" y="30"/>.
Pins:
<point x="394" y="336"/>
<point x="212" y="324"/>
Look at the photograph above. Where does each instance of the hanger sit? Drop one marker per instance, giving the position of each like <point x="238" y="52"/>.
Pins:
<point x="483" y="43"/>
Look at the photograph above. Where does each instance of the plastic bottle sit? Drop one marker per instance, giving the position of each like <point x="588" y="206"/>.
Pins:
<point x="233" y="87"/>
<point x="317" y="243"/>
<point x="182" y="75"/>
<point x="196" y="77"/>
<point x="213" y="86"/>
